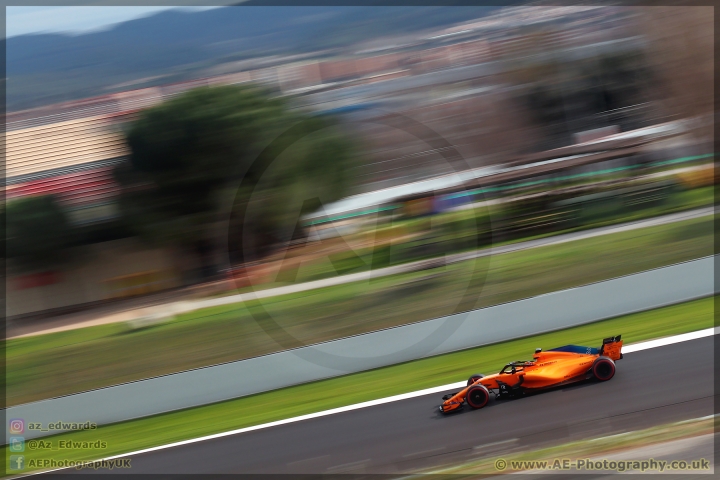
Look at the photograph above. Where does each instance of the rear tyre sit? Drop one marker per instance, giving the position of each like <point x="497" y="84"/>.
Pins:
<point x="477" y="396"/>
<point x="474" y="378"/>
<point x="603" y="369"/>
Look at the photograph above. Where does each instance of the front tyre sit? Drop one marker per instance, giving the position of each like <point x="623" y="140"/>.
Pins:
<point x="603" y="369"/>
<point x="477" y="396"/>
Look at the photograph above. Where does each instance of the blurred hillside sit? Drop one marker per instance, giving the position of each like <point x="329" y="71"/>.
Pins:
<point x="177" y="45"/>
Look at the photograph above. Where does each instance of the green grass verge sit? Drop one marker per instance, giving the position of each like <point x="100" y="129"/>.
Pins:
<point x="322" y="395"/>
<point x="60" y="363"/>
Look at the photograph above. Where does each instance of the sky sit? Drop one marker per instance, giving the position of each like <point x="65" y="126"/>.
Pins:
<point x="76" y="19"/>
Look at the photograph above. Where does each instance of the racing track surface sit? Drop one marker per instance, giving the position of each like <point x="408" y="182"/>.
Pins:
<point x="650" y="387"/>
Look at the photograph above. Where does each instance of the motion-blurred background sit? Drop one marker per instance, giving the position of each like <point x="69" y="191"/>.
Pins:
<point x="201" y="154"/>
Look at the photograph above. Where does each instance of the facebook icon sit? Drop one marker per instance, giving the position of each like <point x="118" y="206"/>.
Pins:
<point x="17" y="462"/>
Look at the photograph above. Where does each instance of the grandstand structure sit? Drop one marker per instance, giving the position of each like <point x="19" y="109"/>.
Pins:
<point x="71" y="159"/>
<point x="61" y="147"/>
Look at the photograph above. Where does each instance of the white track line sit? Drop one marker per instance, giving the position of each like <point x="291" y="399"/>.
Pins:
<point x="635" y="347"/>
<point x="661" y="342"/>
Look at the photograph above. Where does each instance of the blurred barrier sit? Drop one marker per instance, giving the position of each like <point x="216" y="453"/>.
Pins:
<point x="418" y="207"/>
<point x="109" y="270"/>
<point x="140" y="283"/>
<point x="557" y="310"/>
<point x="256" y="274"/>
<point x="34" y="280"/>
<point x="700" y="177"/>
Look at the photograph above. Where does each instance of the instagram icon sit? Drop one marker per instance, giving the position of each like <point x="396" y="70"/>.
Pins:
<point x="17" y="425"/>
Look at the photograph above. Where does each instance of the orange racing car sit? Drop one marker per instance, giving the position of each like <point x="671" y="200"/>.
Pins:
<point x="553" y="368"/>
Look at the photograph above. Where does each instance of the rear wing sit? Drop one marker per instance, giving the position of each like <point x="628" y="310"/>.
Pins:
<point x="612" y="347"/>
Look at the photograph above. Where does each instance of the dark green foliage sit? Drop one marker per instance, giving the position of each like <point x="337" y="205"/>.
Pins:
<point x="38" y="232"/>
<point x="190" y="156"/>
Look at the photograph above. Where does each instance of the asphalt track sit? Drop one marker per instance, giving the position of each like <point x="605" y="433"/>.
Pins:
<point x="651" y="387"/>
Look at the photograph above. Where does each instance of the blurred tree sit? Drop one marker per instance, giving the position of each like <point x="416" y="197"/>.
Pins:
<point x="38" y="232"/>
<point x="189" y="155"/>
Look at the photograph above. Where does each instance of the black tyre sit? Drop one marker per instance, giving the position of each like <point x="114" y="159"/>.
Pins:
<point x="603" y="369"/>
<point x="474" y="378"/>
<point x="477" y="396"/>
